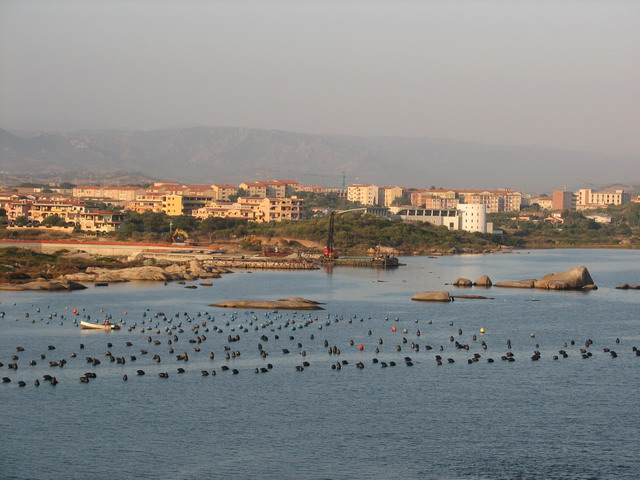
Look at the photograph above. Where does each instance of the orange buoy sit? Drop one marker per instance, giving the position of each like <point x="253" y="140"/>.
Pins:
<point x="361" y="347"/>
<point x="393" y="329"/>
<point x="75" y="311"/>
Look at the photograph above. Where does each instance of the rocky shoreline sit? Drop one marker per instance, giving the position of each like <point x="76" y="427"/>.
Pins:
<point x="577" y="278"/>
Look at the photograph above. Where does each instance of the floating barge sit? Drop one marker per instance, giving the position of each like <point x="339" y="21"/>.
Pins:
<point x="367" y="262"/>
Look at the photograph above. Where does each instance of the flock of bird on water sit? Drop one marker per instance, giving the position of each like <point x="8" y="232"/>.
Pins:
<point x="182" y="337"/>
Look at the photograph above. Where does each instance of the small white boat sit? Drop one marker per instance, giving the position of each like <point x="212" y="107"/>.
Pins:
<point x="100" y="326"/>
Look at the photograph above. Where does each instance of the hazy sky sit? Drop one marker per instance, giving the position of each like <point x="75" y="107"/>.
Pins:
<point x="549" y="73"/>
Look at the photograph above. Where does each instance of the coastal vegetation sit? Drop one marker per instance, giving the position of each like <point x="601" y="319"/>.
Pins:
<point x="354" y="234"/>
<point x="21" y="264"/>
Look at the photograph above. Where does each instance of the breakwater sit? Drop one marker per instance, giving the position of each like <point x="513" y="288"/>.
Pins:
<point x="262" y="264"/>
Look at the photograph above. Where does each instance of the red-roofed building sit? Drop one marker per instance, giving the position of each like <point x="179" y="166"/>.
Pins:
<point x="123" y="194"/>
<point x="222" y="192"/>
<point x="274" y="188"/>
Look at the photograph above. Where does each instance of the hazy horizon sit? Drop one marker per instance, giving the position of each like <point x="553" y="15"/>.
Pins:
<point x="561" y="75"/>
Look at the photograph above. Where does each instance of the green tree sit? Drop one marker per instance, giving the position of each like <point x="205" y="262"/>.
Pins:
<point x="147" y="222"/>
<point x="53" y="221"/>
<point x="155" y="222"/>
<point x="185" y="222"/>
<point x="21" y="221"/>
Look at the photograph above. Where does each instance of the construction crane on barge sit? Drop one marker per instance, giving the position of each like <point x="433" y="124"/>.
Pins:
<point x="329" y="251"/>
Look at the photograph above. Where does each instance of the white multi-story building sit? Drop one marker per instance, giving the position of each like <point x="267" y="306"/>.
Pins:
<point x="467" y="217"/>
<point x="587" y="198"/>
<point x="473" y="218"/>
<point x="365" y="194"/>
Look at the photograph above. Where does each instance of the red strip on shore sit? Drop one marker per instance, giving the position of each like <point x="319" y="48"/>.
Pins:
<point x="74" y="242"/>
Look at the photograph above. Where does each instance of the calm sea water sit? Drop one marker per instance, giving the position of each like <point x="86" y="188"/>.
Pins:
<point x="568" y="418"/>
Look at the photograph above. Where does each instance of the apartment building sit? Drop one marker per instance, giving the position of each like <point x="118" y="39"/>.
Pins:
<point x="274" y="188"/>
<point x="275" y="209"/>
<point x="77" y="214"/>
<point x="337" y="192"/>
<point x="97" y="221"/>
<point x="222" y="209"/>
<point x="255" y="209"/>
<point x="563" y="200"/>
<point x="222" y="192"/>
<point x="162" y="188"/>
<point x="39" y="210"/>
<point x="546" y="203"/>
<point x="365" y="194"/>
<point x="145" y="203"/>
<point x="587" y="198"/>
<point x="17" y="208"/>
<point x="387" y="195"/>
<point x="123" y="194"/>
<point x="6" y="199"/>
<point x="176" y="204"/>
<point x="495" y="200"/>
<point x="420" y="197"/>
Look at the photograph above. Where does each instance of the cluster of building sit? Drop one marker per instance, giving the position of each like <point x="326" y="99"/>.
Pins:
<point x="278" y="200"/>
<point x="583" y="199"/>
<point x="455" y="209"/>
<point x="35" y="209"/>
<point x="260" y="202"/>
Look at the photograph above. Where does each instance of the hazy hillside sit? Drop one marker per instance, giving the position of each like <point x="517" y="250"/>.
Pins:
<point x="207" y="155"/>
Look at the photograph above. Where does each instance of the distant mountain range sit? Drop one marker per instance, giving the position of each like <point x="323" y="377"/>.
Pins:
<point x="232" y="155"/>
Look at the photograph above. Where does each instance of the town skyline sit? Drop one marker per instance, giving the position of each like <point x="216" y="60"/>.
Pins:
<point x="105" y="208"/>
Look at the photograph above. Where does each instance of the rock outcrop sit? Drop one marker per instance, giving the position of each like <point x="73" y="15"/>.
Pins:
<point x="463" y="282"/>
<point x="432" y="297"/>
<point x="575" y="279"/>
<point x="173" y="272"/>
<point x="44" y="285"/>
<point x="483" y="281"/>
<point x="283" y="304"/>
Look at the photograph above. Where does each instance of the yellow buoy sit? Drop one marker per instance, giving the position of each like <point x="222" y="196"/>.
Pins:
<point x="482" y="331"/>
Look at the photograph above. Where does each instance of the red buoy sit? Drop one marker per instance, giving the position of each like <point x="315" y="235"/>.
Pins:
<point x="361" y="347"/>
<point x="393" y="329"/>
